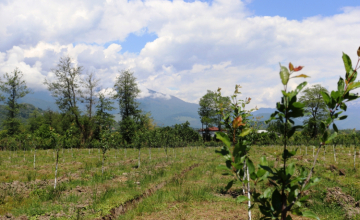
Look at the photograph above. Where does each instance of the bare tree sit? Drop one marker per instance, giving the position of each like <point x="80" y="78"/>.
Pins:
<point x="90" y="84"/>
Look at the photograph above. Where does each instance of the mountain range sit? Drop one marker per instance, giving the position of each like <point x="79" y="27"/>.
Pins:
<point x="169" y="110"/>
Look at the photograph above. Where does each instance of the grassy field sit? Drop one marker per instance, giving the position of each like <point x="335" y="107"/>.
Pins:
<point x="184" y="185"/>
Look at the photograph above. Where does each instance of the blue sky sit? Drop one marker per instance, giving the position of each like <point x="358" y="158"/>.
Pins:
<point x="182" y="48"/>
<point x="300" y="9"/>
<point x="292" y="10"/>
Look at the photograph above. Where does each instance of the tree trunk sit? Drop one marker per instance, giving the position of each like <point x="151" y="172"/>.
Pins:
<point x="34" y="157"/>
<point x="354" y="157"/>
<point x="102" y="164"/>
<point x="56" y="166"/>
<point x="248" y="192"/>
<point x="334" y="153"/>
<point x="139" y="159"/>
<point x="149" y="153"/>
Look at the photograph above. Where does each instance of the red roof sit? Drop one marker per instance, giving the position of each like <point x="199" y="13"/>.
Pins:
<point x="211" y="129"/>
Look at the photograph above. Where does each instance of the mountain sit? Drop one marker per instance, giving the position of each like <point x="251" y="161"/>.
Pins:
<point x="168" y="110"/>
<point x="351" y="122"/>
<point x="25" y="112"/>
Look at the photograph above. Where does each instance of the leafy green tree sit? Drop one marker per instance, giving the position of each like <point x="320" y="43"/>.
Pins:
<point x="15" y="88"/>
<point x="103" y="117"/>
<point x="126" y="93"/>
<point x="210" y="104"/>
<point x="207" y="112"/>
<point x="315" y="108"/>
<point x="67" y="92"/>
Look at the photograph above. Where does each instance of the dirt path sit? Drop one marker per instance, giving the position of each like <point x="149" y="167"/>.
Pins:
<point x="130" y="204"/>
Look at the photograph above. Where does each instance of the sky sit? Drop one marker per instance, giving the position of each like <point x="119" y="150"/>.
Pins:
<point x="182" y="48"/>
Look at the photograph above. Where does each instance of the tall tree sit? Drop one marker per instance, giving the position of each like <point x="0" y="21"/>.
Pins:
<point x="15" y="88"/>
<point x="207" y="112"/>
<point x="104" y="119"/>
<point x="126" y="92"/>
<point x="90" y="84"/>
<point x="210" y="104"/>
<point x="67" y="91"/>
<point x="315" y="108"/>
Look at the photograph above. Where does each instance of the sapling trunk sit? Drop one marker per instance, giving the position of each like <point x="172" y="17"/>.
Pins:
<point x="354" y="158"/>
<point x="306" y="150"/>
<point x="125" y="151"/>
<point x="102" y="164"/>
<point x="139" y="159"/>
<point x="34" y="157"/>
<point x="334" y="153"/>
<point x="56" y="167"/>
<point x="149" y="153"/>
<point x="313" y="150"/>
<point x="248" y="192"/>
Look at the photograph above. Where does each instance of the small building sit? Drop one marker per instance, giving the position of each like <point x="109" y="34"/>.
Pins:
<point x="212" y="131"/>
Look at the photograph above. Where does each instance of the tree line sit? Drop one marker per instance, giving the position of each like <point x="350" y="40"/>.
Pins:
<point x="71" y="89"/>
<point x="315" y="111"/>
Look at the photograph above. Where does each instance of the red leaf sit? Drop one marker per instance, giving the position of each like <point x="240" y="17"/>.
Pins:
<point x="298" y="68"/>
<point x="291" y="67"/>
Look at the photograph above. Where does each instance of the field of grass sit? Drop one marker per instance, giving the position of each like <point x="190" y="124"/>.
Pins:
<point x="184" y="185"/>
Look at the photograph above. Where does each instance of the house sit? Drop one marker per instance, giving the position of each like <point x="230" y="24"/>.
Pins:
<point x="212" y="131"/>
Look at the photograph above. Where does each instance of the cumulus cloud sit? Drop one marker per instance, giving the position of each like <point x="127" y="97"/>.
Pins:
<point x="200" y="46"/>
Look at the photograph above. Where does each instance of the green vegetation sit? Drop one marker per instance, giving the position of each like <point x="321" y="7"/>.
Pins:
<point x="81" y="165"/>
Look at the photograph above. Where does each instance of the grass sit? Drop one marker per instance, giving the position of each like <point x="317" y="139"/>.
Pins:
<point x="83" y="192"/>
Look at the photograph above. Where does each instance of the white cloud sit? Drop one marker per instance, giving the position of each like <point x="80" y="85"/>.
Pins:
<point x="199" y="46"/>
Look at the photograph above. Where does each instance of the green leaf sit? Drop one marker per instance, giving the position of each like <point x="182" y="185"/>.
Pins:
<point x="267" y="169"/>
<point x="298" y="105"/>
<point x="224" y="138"/>
<point x="267" y="193"/>
<point x="276" y="200"/>
<point x="229" y="185"/>
<point x="332" y="136"/>
<point x="222" y="167"/>
<point x="341" y="85"/>
<point x="347" y="62"/>
<point x="326" y="97"/>
<point x="343" y="117"/>
<point x="353" y="77"/>
<point x="309" y="214"/>
<point x="343" y="106"/>
<point x="300" y="87"/>
<point x="250" y="165"/>
<point x="224" y="152"/>
<point x="245" y="132"/>
<point x="335" y="127"/>
<point x="263" y="161"/>
<point x="241" y="199"/>
<point x="284" y="75"/>
<point x="325" y="137"/>
<point x="352" y="86"/>
<point x="290" y="169"/>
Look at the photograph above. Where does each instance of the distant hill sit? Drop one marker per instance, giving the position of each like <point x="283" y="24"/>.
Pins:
<point x="24" y="114"/>
<point x="169" y="110"/>
<point x="353" y="120"/>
